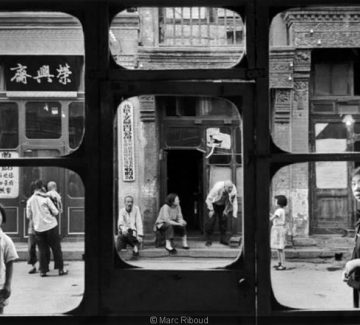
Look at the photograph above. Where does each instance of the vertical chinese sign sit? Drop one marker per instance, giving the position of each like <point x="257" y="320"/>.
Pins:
<point x="127" y="138"/>
<point x="9" y="177"/>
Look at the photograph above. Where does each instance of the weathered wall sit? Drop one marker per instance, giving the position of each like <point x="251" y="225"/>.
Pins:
<point x="145" y="187"/>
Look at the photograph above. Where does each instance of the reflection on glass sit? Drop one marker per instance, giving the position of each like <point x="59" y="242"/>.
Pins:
<point x="319" y="233"/>
<point x="177" y="38"/>
<point x="74" y="185"/>
<point x="185" y="154"/>
<point x="314" y="79"/>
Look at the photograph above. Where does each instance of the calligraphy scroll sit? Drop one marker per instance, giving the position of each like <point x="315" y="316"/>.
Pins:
<point x="127" y="138"/>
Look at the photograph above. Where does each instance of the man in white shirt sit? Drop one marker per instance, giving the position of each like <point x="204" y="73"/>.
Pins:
<point x="42" y="211"/>
<point x="221" y="203"/>
<point x="130" y="226"/>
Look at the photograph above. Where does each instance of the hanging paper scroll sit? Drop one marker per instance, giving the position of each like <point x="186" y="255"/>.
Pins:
<point x="127" y="138"/>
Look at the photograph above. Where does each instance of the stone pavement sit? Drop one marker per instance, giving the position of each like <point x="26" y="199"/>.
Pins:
<point x="53" y="294"/>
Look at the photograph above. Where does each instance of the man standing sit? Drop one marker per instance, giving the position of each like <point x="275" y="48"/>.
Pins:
<point x="42" y="211"/>
<point x="221" y="202"/>
<point x="130" y="226"/>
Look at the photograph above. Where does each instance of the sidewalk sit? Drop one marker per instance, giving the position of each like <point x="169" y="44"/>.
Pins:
<point x="314" y="247"/>
<point x="72" y="251"/>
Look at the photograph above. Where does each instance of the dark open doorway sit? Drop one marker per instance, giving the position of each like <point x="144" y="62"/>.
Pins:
<point x="184" y="177"/>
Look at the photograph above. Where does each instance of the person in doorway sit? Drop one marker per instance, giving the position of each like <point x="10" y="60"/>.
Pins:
<point x="221" y="203"/>
<point x="43" y="212"/>
<point x="8" y="255"/>
<point x="278" y="230"/>
<point x="352" y="271"/>
<point x="171" y="220"/>
<point x="130" y="227"/>
<point x="54" y="195"/>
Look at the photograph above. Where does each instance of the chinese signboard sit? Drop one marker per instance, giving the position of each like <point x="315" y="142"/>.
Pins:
<point x="127" y="136"/>
<point x="9" y="177"/>
<point x="42" y="73"/>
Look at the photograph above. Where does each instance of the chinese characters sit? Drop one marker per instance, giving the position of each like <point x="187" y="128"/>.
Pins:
<point x="127" y="136"/>
<point x="9" y="177"/>
<point x="43" y="74"/>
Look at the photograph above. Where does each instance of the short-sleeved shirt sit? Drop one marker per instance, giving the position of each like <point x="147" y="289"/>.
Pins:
<point x="7" y="254"/>
<point x="280" y="220"/>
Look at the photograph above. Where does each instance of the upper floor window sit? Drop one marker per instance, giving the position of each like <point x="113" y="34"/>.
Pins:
<point x="199" y="26"/>
<point x="177" y="38"/>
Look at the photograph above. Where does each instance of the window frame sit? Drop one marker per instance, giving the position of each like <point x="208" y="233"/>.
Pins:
<point x="106" y="83"/>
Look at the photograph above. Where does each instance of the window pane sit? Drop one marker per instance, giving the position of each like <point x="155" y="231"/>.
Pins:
<point x="314" y="77"/>
<point x="19" y="187"/>
<point x="317" y="235"/>
<point x="9" y="125"/>
<point x="159" y="154"/>
<point x="43" y="120"/>
<point x="177" y="38"/>
<point x="76" y="124"/>
<point x="41" y="82"/>
<point x="183" y="137"/>
<point x="74" y="185"/>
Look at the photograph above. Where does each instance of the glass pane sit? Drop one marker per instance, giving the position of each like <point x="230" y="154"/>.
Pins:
<point x="43" y="120"/>
<point x="41" y="75"/>
<point x="9" y="125"/>
<point x="316" y="235"/>
<point x="314" y="77"/>
<point x="217" y="107"/>
<point x="177" y="38"/>
<point x="183" y="137"/>
<point x="159" y="155"/>
<point x="76" y="124"/>
<point x="21" y="193"/>
<point x="74" y="185"/>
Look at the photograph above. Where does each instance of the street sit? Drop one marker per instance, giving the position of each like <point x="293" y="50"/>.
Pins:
<point x="311" y="285"/>
<point x="53" y="294"/>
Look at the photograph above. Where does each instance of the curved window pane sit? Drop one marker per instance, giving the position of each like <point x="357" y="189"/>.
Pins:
<point x="317" y="233"/>
<point x="160" y="153"/>
<point x="314" y="79"/>
<point x="177" y="38"/>
<point x="18" y="188"/>
<point x="42" y="75"/>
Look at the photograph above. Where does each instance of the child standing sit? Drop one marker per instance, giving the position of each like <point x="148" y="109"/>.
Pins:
<point x="278" y="231"/>
<point x="7" y="256"/>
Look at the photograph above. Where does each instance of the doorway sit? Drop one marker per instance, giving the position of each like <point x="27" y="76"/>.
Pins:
<point x="185" y="177"/>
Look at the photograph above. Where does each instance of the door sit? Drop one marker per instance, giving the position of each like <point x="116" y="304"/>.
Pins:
<point x="332" y="207"/>
<point x="184" y="177"/>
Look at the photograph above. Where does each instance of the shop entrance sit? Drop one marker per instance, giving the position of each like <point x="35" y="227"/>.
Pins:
<point x="185" y="177"/>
